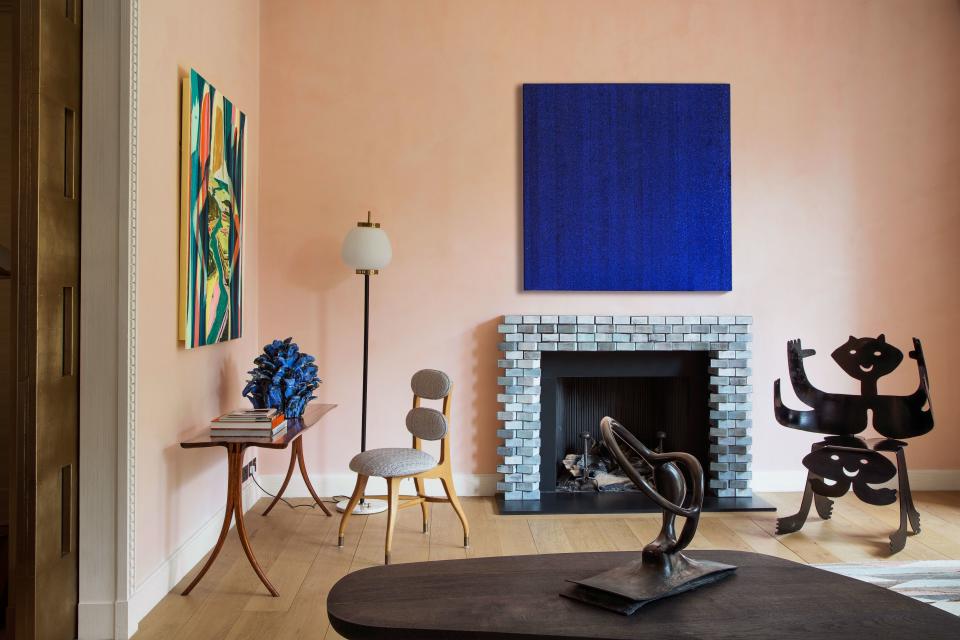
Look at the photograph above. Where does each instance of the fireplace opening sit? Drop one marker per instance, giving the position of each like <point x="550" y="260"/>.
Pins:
<point x="661" y="397"/>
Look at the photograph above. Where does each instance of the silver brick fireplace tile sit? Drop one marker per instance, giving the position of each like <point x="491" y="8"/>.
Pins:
<point x="726" y="338"/>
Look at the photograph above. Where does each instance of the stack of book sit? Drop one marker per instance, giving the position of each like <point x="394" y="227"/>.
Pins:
<point x="249" y="423"/>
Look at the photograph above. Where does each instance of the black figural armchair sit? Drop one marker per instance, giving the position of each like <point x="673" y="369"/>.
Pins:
<point x="844" y="460"/>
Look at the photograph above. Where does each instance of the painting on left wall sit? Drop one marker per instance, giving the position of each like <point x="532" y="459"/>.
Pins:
<point x="211" y="215"/>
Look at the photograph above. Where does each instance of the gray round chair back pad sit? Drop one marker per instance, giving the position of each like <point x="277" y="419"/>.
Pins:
<point x="426" y="423"/>
<point x="431" y="384"/>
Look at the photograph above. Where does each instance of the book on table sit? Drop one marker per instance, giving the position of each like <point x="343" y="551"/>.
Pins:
<point x="253" y="416"/>
<point x="249" y="433"/>
<point x="249" y="423"/>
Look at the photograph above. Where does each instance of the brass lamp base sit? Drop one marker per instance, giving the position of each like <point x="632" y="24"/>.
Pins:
<point x="366" y="508"/>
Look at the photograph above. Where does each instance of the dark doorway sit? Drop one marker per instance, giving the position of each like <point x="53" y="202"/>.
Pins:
<point x="8" y="102"/>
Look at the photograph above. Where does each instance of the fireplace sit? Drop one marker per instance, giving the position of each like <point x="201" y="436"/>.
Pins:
<point x="660" y="396"/>
<point x="685" y="376"/>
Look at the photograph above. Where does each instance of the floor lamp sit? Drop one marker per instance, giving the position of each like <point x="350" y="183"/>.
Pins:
<point x="366" y="249"/>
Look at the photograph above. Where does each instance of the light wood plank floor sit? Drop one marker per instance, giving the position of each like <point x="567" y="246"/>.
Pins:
<point x="298" y="549"/>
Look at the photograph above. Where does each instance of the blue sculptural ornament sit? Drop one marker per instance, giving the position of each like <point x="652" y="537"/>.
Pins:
<point x="284" y="378"/>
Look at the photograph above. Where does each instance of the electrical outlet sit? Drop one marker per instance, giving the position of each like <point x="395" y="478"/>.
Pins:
<point x="247" y="471"/>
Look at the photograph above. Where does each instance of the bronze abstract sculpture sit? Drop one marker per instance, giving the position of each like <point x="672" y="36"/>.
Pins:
<point x="662" y="570"/>
<point x="843" y="460"/>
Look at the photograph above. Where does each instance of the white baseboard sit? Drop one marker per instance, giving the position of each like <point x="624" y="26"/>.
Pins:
<point x="935" y="480"/>
<point x="920" y="480"/>
<point x="776" y="481"/>
<point x="96" y="620"/>
<point x="159" y="583"/>
<point x="341" y="484"/>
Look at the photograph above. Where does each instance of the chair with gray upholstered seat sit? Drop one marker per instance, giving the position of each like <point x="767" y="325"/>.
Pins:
<point x="397" y="464"/>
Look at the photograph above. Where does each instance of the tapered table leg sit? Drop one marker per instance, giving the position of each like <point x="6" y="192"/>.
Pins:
<point x="224" y="530"/>
<point x="296" y="457"/>
<point x="248" y="550"/>
<point x="234" y="510"/>
<point x="286" y="481"/>
<point x="298" y="453"/>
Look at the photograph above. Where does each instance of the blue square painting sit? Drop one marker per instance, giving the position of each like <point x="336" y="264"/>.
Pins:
<point x="626" y="187"/>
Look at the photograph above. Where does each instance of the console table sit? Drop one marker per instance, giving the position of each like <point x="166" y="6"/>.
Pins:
<point x="235" y="446"/>
<point x="517" y="597"/>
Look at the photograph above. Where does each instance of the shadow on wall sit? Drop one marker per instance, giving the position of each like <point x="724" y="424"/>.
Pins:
<point x="185" y="471"/>
<point x="518" y="132"/>
<point x="315" y="268"/>
<point x="177" y="265"/>
<point x="484" y="409"/>
<point x="230" y="387"/>
<point x="185" y="468"/>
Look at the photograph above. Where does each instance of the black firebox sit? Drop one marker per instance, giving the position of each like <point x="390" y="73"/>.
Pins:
<point x="661" y="396"/>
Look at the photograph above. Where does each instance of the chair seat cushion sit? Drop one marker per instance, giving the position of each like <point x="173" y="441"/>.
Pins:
<point x="391" y="463"/>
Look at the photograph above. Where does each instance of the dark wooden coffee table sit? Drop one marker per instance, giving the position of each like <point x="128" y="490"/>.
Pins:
<point x="515" y="597"/>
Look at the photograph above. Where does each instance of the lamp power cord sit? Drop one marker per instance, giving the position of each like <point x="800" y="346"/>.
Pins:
<point x="333" y="500"/>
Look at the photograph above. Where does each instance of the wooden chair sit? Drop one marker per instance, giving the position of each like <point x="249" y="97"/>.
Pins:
<point x="395" y="464"/>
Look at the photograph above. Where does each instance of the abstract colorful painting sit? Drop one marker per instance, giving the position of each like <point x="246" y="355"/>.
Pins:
<point x="211" y="215"/>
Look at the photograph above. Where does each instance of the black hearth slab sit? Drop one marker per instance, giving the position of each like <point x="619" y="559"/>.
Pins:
<point x="624" y="502"/>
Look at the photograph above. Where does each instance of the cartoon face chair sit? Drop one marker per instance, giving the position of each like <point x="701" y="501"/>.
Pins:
<point x="844" y="460"/>
<point x="394" y="465"/>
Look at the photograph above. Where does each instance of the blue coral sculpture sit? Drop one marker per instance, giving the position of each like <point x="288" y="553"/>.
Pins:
<point x="283" y="378"/>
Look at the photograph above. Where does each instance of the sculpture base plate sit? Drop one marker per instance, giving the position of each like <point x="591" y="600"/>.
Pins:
<point x="627" y="588"/>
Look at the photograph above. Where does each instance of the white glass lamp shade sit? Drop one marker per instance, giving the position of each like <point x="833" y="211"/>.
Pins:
<point x="367" y="249"/>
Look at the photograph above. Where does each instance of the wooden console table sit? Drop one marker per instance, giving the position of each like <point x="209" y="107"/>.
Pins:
<point x="235" y="446"/>
<point x="517" y="597"/>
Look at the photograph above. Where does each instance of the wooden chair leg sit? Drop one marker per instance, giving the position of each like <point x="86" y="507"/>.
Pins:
<point x="354" y="501"/>
<point x="424" y="506"/>
<point x="393" y="505"/>
<point x="455" y="503"/>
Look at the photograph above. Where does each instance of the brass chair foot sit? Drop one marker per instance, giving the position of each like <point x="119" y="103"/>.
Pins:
<point x="466" y="542"/>
<point x="426" y="528"/>
<point x="340" y="542"/>
<point x="386" y="558"/>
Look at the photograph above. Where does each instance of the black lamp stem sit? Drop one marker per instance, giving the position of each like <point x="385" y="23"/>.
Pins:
<point x="366" y="338"/>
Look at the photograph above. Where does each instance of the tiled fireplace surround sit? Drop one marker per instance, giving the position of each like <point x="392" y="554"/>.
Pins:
<point x="526" y="337"/>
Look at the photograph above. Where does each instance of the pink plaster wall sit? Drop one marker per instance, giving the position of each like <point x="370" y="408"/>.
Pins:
<point x="846" y="198"/>
<point x="178" y="490"/>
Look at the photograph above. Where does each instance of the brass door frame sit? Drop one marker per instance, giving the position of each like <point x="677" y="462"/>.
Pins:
<point x="23" y="252"/>
<point x="46" y="259"/>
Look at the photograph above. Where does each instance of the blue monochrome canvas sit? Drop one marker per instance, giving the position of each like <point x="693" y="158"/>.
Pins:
<point x="626" y="187"/>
